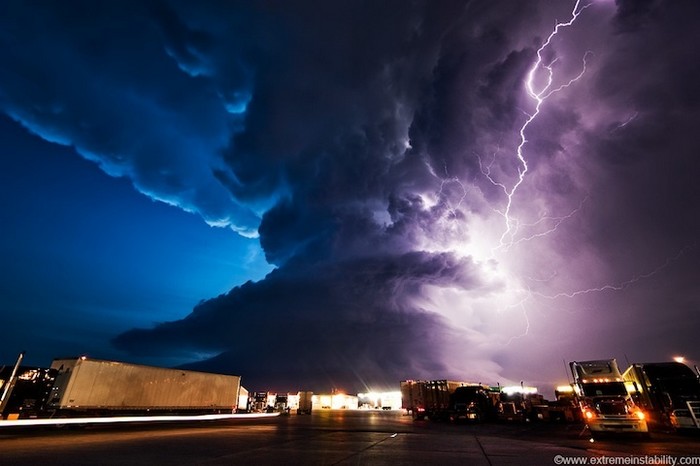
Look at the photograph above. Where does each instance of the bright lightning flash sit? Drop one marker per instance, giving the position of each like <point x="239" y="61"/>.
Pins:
<point x="539" y="96"/>
<point x="506" y="290"/>
<point x="511" y="294"/>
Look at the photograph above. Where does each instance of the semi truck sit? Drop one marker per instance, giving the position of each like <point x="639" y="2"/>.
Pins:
<point x="606" y="406"/>
<point x="427" y="398"/>
<point x="446" y="400"/>
<point x="259" y="402"/>
<point x="565" y="407"/>
<point x="521" y="403"/>
<point x="24" y="390"/>
<point x="102" y="387"/>
<point x="281" y="403"/>
<point x="242" y="400"/>
<point x="413" y="398"/>
<point x="305" y="402"/>
<point x="473" y="402"/>
<point x="86" y="387"/>
<point x="668" y="391"/>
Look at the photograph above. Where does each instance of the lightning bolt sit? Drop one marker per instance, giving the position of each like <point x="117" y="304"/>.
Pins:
<point x="553" y="221"/>
<point x="486" y="171"/>
<point x="529" y="294"/>
<point x="521" y="305"/>
<point x="448" y="180"/>
<point x="629" y="120"/>
<point x="539" y="96"/>
<point x="621" y="285"/>
<point x="541" y="82"/>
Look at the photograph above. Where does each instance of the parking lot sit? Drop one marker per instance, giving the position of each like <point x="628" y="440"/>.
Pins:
<point x="329" y="437"/>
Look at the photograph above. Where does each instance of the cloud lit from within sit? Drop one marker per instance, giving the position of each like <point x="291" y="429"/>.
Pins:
<point x="406" y="185"/>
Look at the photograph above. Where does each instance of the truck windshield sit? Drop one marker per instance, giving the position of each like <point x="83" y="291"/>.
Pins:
<point x="604" y="389"/>
<point x="673" y="378"/>
<point x="661" y="372"/>
<point x="467" y="394"/>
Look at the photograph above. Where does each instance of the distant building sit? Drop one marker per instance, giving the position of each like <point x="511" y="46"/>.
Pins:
<point x="335" y="401"/>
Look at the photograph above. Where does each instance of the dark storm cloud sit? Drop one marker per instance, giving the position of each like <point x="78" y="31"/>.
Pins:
<point x="334" y="114"/>
<point x="348" y="111"/>
<point x="648" y="161"/>
<point x="97" y="77"/>
<point x="370" y="145"/>
<point x="333" y="324"/>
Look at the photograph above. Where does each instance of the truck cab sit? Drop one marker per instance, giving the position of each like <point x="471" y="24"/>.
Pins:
<point x="472" y="403"/>
<point x="606" y="406"/>
<point x="670" y="391"/>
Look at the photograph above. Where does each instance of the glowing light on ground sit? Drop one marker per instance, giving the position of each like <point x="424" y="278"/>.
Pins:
<point x="126" y="419"/>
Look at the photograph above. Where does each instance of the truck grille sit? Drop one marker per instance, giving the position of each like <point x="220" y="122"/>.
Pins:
<point x="612" y="407"/>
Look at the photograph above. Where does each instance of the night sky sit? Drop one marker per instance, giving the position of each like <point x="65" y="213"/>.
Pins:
<point x="347" y="194"/>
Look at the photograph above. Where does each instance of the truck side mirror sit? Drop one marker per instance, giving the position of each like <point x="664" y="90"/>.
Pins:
<point x="666" y="399"/>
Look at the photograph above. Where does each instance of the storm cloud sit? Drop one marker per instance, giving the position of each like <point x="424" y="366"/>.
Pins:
<point x="338" y="324"/>
<point x="373" y="147"/>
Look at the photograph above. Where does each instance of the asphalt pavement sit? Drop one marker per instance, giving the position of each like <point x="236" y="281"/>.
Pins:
<point x="338" y="438"/>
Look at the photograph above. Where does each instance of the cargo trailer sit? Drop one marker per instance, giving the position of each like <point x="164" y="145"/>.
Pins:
<point x="305" y="402"/>
<point x="85" y="386"/>
<point x="445" y="400"/>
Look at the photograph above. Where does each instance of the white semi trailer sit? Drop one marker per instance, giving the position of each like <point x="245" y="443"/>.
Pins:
<point x="85" y="386"/>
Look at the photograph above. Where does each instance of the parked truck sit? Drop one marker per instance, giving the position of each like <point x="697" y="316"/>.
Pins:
<point x="565" y="407"/>
<point x="24" y="390"/>
<point x="85" y="387"/>
<point x="413" y="398"/>
<point x="96" y="386"/>
<point x="668" y="391"/>
<point x="446" y="400"/>
<point x="423" y="398"/>
<point x="305" y="402"/>
<point x="606" y="406"/>
<point x="243" y="399"/>
<point x="473" y="402"/>
<point x="281" y="404"/>
<point x="258" y="402"/>
<point x="520" y="403"/>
